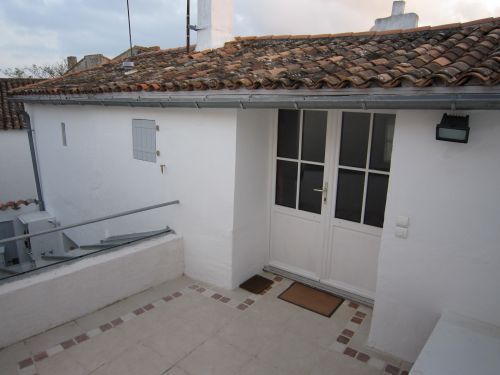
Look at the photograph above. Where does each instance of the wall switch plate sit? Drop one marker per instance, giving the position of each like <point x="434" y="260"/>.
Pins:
<point x="401" y="233"/>
<point x="403" y="221"/>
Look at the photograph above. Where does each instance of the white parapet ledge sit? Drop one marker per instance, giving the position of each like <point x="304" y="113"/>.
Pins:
<point x="460" y="345"/>
<point x="36" y="303"/>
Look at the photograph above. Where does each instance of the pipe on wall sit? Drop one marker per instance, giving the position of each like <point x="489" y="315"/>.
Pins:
<point x="27" y="121"/>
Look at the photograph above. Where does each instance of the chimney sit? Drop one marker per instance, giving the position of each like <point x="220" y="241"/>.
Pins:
<point x="215" y="23"/>
<point x="398" y="20"/>
<point x="398" y="8"/>
<point x="72" y="61"/>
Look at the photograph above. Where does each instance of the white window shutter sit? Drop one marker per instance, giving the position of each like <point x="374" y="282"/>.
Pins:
<point x="144" y="140"/>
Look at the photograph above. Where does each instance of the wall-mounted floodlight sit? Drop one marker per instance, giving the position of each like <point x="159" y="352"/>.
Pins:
<point x="453" y="129"/>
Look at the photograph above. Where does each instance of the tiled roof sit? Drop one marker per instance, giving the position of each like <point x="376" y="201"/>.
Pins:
<point x="9" y="119"/>
<point x="449" y="55"/>
<point x="16" y="205"/>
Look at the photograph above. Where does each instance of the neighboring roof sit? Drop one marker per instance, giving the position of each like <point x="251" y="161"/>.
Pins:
<point x="9" y="118"/>
<point x="136" y="50"/>
<point x="16" y="205"/>
<point x="448" y="55"/>
<point x="88" y="62"/>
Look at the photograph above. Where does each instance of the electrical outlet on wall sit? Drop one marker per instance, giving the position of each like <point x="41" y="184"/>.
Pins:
<point x="401" y="233"/>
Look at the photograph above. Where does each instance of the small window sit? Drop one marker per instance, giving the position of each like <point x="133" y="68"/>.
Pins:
<point x="63" y="134"/>
<point x="364" y="166"/>
<point x="144" y="140"/>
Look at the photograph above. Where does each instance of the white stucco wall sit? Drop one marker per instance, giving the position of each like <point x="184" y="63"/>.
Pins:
<point x="35" y="304"/>
<point x="251" y="196"/>
<point x="451" y="258"/>
<point x="16" y="170"/>
<point x="96" y="175"/>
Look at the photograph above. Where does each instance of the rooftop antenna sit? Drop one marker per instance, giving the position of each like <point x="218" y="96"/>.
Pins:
<point x="129" y="29"/>
<point x="129" y="64"/>
<point x="188" y="25"/>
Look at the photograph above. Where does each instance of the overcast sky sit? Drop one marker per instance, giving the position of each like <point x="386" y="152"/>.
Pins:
<point x="42" y="31"/>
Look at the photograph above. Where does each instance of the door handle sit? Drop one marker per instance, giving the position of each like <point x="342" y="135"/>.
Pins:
<point x="324" y="191"/>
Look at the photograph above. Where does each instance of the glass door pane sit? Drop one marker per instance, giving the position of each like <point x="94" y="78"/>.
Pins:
<point x="354" y="139"/>
<point x="286" y="183"/>
<point x="314" y="136"/>
<point x="350" y="188"/>
<point x="382" y="139"/>
<point x="376" y="196"/>
<point x="311" y="179"/>
<point x="288" y="133"/>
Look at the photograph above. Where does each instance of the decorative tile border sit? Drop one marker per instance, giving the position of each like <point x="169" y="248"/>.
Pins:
<point x="342" y="343"/>
<point x="28" y="365"/>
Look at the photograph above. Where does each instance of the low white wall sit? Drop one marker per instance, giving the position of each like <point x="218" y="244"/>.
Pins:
<point x="38" y="303"/>
<point x="251" y="195"/>
<point x="16" y="170"/>
<point x="96" y="175"/>
<point x="451" y="258"/>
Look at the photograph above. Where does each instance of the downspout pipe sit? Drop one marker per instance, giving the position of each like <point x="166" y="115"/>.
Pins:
<point x="27" y="121"/>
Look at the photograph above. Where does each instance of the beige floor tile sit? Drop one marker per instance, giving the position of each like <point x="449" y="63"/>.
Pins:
<point x="258" y="367"/>
<point x="276" y="308"/>
<point x="176" y="371"/>
<point x="210" y="317"/>
<point x="292" y="353"/>
<point x="137" y="360"/>
<point x="174" y="340"/>
<point x="143" y="325"/>
<point x="236" y="294"/>
<point x="215" y="357"/>
<point x="132" y="303"/>
<point x="251" y="331"/>
<point x="10" y="356"/>
<point x="187" y="302"/>
<point x="333" y="363"/>
<point x="381" y="356"/>
<point x="318" y="328"/>
<point x="360" y="338"/>
<point x="60" y="364"/>
<point x="106" y="314"/>
<point x="100" y="349"/>
<point x="55" y="336"/>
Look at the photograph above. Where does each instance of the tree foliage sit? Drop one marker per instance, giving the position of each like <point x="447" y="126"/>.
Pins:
<point x="54" y="70"/>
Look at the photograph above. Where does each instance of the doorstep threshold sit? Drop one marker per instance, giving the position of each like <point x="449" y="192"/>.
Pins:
<point x="318" y="285"/>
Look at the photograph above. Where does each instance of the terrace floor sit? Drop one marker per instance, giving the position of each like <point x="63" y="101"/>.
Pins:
<point x="185" y="327"/>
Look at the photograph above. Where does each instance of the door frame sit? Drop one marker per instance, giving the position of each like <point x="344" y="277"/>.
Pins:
<point x="332" y="155"/>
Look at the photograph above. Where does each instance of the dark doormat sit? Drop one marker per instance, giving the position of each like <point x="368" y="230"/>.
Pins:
<point x="312" y="299"/>
<point x="256" y="284"/>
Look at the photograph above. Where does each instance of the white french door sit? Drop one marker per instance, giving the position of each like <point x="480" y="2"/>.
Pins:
<point x="331" y="173"/>
<point x="300" y="207"/>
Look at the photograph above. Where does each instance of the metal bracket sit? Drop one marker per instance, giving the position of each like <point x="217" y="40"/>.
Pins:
<point x="196" y="28"/>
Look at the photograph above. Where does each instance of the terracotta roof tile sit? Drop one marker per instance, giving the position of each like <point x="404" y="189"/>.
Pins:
<point x="452" y="55"/>
<point x="9" y="118"/>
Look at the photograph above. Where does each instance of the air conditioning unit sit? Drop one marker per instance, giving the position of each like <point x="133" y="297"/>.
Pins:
<point x="36" y="222"/>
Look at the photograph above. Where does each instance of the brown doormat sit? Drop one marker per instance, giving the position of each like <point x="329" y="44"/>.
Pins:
<point x="256" y="284"/>
<point x="312" y="299"/>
